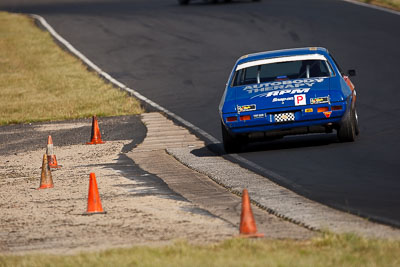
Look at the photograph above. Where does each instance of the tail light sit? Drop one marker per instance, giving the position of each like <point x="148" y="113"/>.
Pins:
<point x="323" y="109"/>
<point x="231" y="119"/>
<point x="336" y="107"/>
<point x="245" y="117"/>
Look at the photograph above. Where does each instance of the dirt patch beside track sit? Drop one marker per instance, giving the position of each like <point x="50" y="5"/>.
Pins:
<point x="141" y="209"/>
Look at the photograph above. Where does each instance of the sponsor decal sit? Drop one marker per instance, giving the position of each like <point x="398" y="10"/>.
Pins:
<point x="282" y="85"/>
<point x="259" y="116"/>
<point x="308" y="110"/>
<point x="320" y="100"/>
<point x="246" y="108"/>
<point x="283" y="92"/>
<point x="300" y="100"/>
<point x="327" y="114"/>
<point x="283" y="99"/>
<point x="284" y="117"/>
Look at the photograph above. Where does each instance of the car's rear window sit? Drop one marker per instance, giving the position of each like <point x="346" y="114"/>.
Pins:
<point x="282" y="71"/>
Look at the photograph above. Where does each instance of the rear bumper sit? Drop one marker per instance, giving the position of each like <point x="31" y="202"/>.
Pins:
<point x="307" y="119"/>
<point x="316" y="126"/>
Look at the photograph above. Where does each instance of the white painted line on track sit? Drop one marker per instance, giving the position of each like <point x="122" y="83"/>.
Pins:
<point x="373" y="7"/>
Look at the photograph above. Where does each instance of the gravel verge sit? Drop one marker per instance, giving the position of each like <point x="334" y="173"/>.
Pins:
<point x="141" y="209"/>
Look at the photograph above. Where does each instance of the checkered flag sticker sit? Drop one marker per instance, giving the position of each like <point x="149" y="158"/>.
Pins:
<point x="284" y="117"/>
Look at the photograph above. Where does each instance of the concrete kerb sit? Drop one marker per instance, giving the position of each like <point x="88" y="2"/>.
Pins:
<point x="206" y="193"/>
<point x="278" y="200"/>
<point x="275" y="205"/>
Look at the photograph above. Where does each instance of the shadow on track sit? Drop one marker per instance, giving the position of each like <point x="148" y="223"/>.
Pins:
<point x="291" y="142"/>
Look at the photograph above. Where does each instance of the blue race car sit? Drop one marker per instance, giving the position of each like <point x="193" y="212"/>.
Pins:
<point x="285" y="92"/>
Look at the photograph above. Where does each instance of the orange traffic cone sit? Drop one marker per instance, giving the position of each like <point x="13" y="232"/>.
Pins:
<point x="94" y="204"/>
<point x="248" y="226"/>
<point x="50" y="154"/>
<point x="95" y="136"/>
<point x="46" y="180"/>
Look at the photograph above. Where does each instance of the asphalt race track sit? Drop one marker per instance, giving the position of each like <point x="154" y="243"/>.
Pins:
<point x="180" y="57"/>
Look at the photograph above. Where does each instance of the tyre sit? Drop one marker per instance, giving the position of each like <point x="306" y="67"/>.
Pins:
<point x="357" y="127"/>
<point x="183" y="2"/>
<point x="348" y="129"/>
<point x="231" y="143"/>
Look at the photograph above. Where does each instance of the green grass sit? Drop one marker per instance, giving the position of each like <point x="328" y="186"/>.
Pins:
<point x="39" y="81"/>
<point x="327" y="250"/>
<point x="393" y="4"/>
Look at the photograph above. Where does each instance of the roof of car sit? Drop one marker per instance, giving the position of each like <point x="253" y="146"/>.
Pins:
<point x="282" y="53"/>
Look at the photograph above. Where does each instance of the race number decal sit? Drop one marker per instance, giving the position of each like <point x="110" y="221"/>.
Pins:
<point x="300" y="100"/>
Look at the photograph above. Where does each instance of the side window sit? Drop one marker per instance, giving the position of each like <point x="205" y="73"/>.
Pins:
<point x="246" y="76"/>
<point x="237" y="79"/>
<point x="329" y="68"/>
<point x="324" y="70"/>
<point x="337" y="65"/>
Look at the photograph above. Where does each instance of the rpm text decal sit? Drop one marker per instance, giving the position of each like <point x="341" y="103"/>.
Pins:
<point x="283" y="92"/>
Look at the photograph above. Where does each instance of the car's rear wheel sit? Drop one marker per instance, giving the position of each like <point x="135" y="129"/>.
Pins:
<point x="348" y="129"/>
<point x="231" y="143"/>
<point x="183" y="2"/>
<point x="357" y="127"/>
